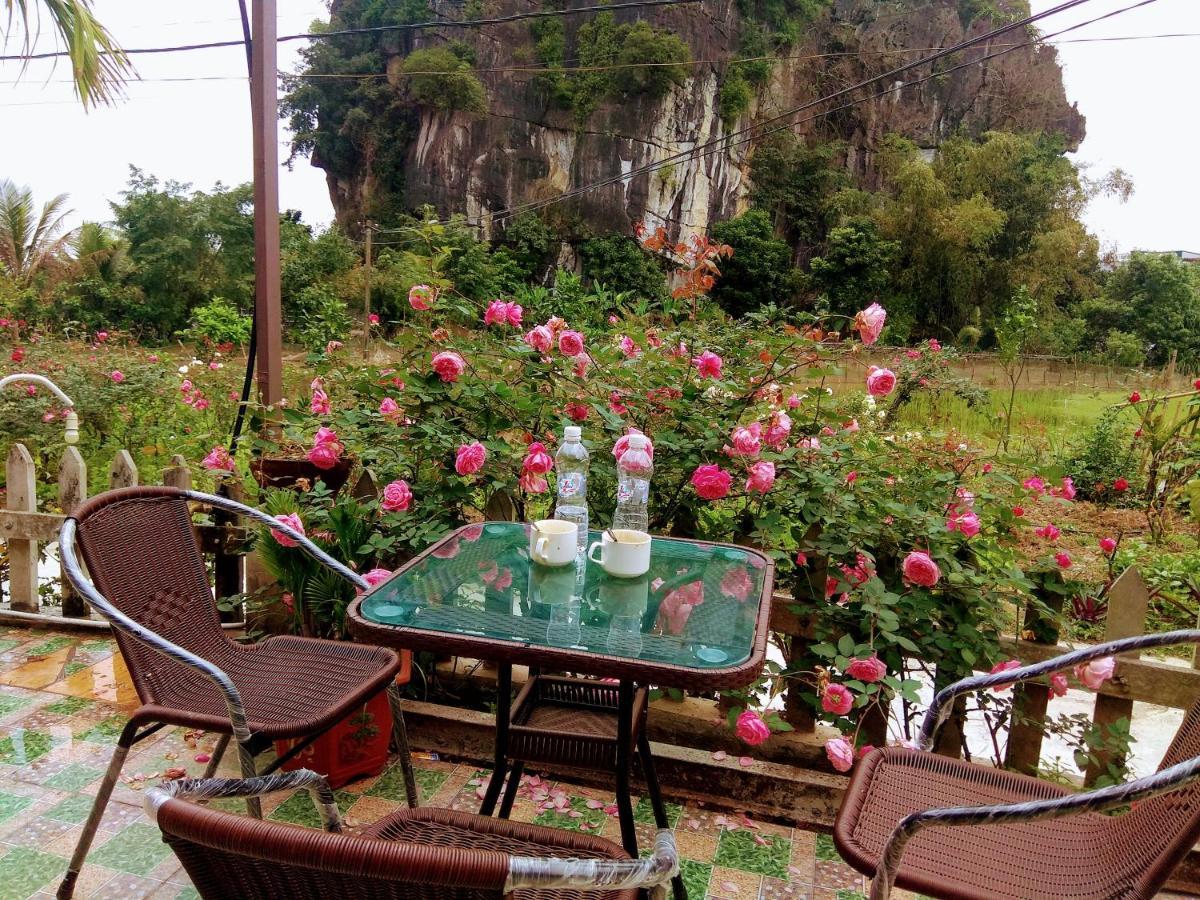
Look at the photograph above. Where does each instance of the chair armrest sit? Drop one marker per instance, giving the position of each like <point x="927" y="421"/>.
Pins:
<point x="596" y="874"/>
<point x="305" y="544"/>
<point x="1172" y="778"/>
<point x="212" y="788"/>
<point x="74" y="573"/>
<point x="939" y="709"/>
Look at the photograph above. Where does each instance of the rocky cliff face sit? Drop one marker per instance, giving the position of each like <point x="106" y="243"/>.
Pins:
<point x="524" y="149"/>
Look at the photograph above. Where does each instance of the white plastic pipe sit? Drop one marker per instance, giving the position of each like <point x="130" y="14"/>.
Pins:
<point x="71" y="435"/>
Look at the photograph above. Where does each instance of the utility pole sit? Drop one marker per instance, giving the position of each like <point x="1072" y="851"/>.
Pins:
<point x="268" y="317"/>
<point x="370" y="230"/>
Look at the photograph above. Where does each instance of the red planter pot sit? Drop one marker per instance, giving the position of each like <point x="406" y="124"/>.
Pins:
<point x="356" y="747"/>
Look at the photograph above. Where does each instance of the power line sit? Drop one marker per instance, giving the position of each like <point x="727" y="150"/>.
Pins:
<point x="378" y="29"/>
<point x="725" y="141"/>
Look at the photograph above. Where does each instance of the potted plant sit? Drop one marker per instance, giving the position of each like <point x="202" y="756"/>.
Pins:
<point x="288" y="463"/>
<point x="312" y="601"/>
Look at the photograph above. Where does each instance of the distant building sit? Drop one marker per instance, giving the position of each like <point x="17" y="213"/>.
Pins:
<point x="1184" y="256"/>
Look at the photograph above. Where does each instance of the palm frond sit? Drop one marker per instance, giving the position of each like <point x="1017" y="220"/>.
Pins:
<point x="99" y="66"/>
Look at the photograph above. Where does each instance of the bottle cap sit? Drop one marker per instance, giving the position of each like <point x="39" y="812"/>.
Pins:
<point x="572" y="433"/>
<point x="637" y="442"/>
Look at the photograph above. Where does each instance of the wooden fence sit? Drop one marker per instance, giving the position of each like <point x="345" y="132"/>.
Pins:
<point x="24" y="529"/>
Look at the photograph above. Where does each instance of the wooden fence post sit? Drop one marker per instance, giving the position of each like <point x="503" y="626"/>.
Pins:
<point x="123" y="472"/>
<point x="1128" y="599"/>
<point x="22" y="553"/>
<point x="72" y="491"/>
<point x="177" y="474"/>
<point x="1024" y="750"/>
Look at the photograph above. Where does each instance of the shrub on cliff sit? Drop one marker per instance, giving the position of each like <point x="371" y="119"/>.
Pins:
<point x="441" y="80"/>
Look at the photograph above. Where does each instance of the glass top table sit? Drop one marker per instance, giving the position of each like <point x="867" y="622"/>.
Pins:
<point x="697" y="619"/>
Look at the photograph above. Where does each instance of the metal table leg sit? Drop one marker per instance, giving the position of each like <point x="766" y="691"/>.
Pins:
<point x="656" y="803"/>
<point x="624" y="761"/>
<point x="503" y="713"/>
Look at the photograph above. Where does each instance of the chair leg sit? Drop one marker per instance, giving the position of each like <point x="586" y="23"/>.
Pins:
<point x="67" y="887"/>
<point x="400" y="736"/>
<point x="510" y="789"/>
<point x="218" y="751"/>
<point x="656" y="803"/>
<point x="249" y="770"/>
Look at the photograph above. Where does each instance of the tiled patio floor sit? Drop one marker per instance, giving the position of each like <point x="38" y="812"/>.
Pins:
<point x="63" y="701"/>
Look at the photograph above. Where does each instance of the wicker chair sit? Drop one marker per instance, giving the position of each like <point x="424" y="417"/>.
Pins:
<point x="424" y="854"/>
<point x="152" y="586"/>
<point x="1015" y="849"/>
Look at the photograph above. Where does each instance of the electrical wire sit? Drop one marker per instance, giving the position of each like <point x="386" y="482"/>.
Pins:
<point x="377" y="29"/>
<point x="720" y="143"/>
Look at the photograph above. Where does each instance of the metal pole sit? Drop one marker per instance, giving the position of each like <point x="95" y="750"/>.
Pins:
<point x="370" y="229"/>
<point x="265" y="111"/>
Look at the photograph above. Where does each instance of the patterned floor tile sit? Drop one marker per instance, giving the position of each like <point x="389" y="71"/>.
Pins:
<point x="752" y="852"/>
<point x="68" y="706"/>
<point x="696" y="876"/>
<point x="136" y="850"/>
<point x="11" y="804"/>
<point x="299" y="808"/>
<point x="24" y="870"/>
<point x="734" y="884"/>
<point x="21" y="746"/>
<point x="73" y="777"/>
<point x="390" y="785"/>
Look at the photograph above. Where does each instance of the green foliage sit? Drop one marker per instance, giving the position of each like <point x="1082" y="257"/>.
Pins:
<point x="734" y="97"/>
<point x="855" y="268"/>
<point x="760" y="272"/>
<point x="784" y="18"/>
<point x="619" y="260"/>
<point x="1121" y="348"/>
<point x="528" y="241"/>
<point x="451" y="86"/>
<point x="602" y="42"/>
<point x="796" y="184"/>
<point x="218" y="322"/>
<point x="316" y="316"/>
<point x="1104" y="454"/>
<point x="1162" y="296"/>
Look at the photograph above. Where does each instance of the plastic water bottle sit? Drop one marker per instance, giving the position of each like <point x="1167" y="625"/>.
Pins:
<point x="571" y="464"/>
<point x="634" y="469"/>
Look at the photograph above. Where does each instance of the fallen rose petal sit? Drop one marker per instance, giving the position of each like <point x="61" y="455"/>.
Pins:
<point x="693" y="824"/>
<point x="745" y="761"/>
<point x="175" y="772"/>
<point x="729" y="887"/>
<point x="760" y="840"/>
<point x="481" y="791"/>
<point x="575" y="814"/>
<point x="595" y="804"/>
<point x="719" y="755"/>
<point x="611" y="809"/>
<point x="202" y="757"/>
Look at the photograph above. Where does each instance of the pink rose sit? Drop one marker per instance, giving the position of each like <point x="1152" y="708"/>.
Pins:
<point x="920" y="569"/>
<point x="397" y="497"/>
<point x="497" y="313"/>
<point x="1068" y="489"/>
<point x="292" y="521"/>
<point x="325" y="456"/>
<point x="708" y="364"/>
<point x="218" y="459"/>
<point x="325" y="436"/>
<point x="577" y="412"/>
<point x="448" y="365"/>
<point x="613" y="320"/>
<point x="319" y="404"/>
<point x="532" y="482"/>
<point x="751" y="728"/>
<point x="778" y="430"/>
<point x="965" y="522"/>
<point x="711" y="482"/>
<point x="570" y="343"/>
<point x="539" y="338"/>
<point x="1108" y="545"/>
<point x="747" y="440"/>
<point x="809" y="443"/>
<point x="628" y="348"/>
<point x="373" y="318"/>
<point x="537" y="460"/>
<point x="470" y="458"/>
<point x="1034" y="484"/>
<point x="622" y="445"/>
<point x="1048" y="531"/>
<point x="851" y="426"/>
<point x="793" y="401"/>
<point x="934" y="345"/>
<point x="582" y="362"/>
<point x="869" y="669"/>
<point x="837" y="699"/>
<point x="840" y="754"/>
<point x="616" y="404"/>
<point x="880" y="382"/>
<point x="1058" y="684"/>
<point x="333" y="346"/>
<point x="1004" y="667"/>
<point x="761" y="477"/>
<point x="117" y="376"/>
<point x="1063" y="559"/>
<point x="391" y="410"/>
<point x="869" y="323"/>
<point x="377" y="577"/>
<point x="677" y="606"/>
<point x="556" y="324"/>
<point x="514" y="315"/>
<point x="421" y="297"/>
<point x="101" y="336"/>
<point x="1096" y="672"/>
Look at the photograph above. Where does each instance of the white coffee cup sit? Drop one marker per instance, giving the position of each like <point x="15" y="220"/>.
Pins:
<point x="553" y="542"/>
<point x="626" y="557"/>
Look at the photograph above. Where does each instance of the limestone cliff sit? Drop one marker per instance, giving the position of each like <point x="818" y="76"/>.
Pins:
<point x="524" y="148"/>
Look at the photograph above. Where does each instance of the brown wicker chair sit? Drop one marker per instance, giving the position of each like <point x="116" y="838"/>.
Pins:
<point x="1023" y="844"/>
<point x="152" y="586"/>
<point x="424" y="854"/>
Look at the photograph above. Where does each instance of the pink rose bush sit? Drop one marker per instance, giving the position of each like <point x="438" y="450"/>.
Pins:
<point x="421" y="297"/>
<point x="880" y="382"/>
<point x="292" y="521"/>
<point x="871" y="669"/>
<point x="397" y="497"/>
<point x="1093" y="674"/>
<point x="869" y="323"/>
<point x="840" y="753"/>
<point x="751" y="728"/>
<point x="711" y="482"/>
<point x="920" y="569"/>
<point x="470" y="458"/>
<point x="218" y="460"/>
<point x="708" y="364"/>
<point x="449" y="366"/>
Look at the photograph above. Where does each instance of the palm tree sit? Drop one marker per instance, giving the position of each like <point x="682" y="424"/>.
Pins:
<point x="98" y="64"/>
<point x="100" y="254"/>
<point x="30" y="243"/>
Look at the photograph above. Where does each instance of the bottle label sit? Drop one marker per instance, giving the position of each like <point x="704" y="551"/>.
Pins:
<point x="570" y="484"/>
<point x="633" y="490"/>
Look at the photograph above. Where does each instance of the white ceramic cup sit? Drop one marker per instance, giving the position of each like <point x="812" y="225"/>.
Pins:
<point x="626" y="557"/>
<point x="553" y="542"/>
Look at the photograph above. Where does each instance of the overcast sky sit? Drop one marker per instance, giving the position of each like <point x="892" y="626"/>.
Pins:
<point x="1138" y="97"/>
